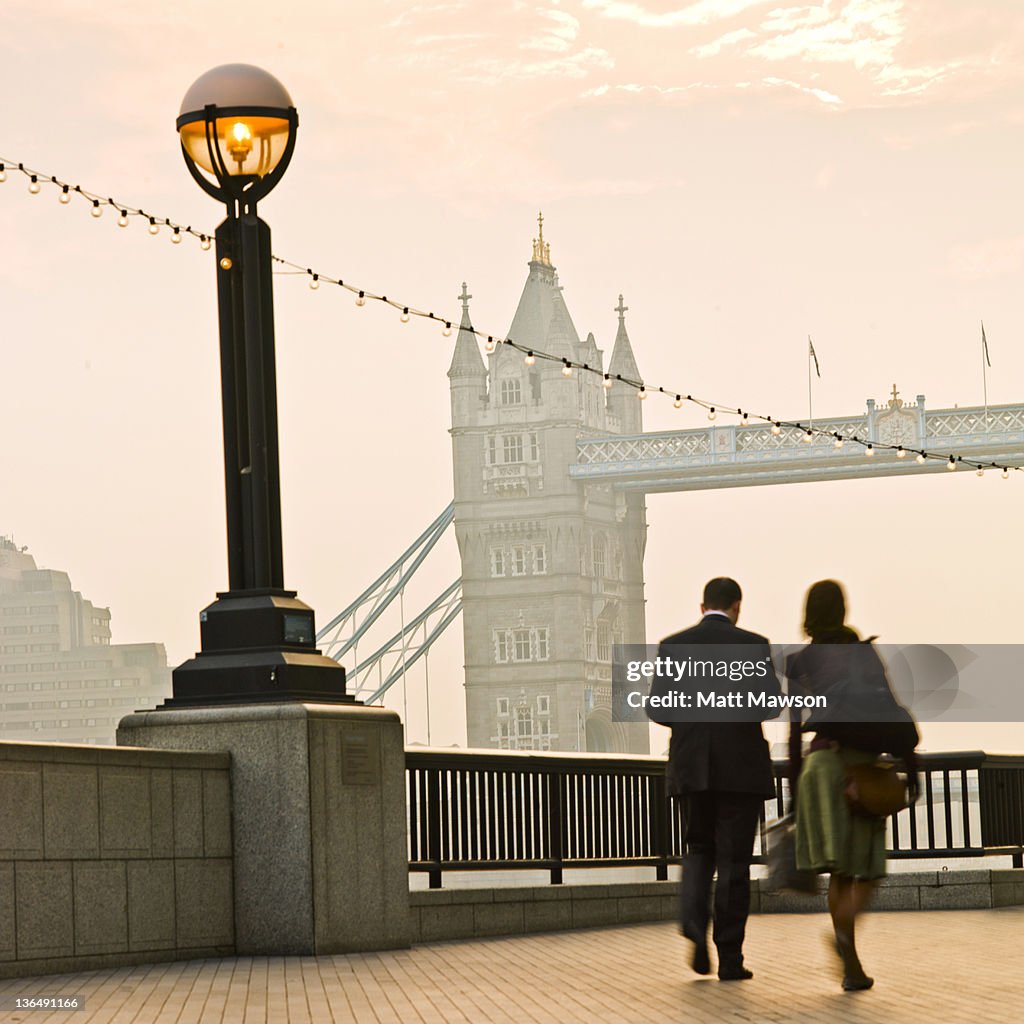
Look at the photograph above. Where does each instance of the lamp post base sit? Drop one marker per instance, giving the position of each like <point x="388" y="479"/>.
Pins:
<point x="258" y="646"/>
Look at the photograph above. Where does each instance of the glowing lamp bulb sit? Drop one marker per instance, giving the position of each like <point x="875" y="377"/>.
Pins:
<point x="808" y="436"/>
<point x="1005" y="473"/>
<point x="920" y="459"/>
<point x="678" y="403"/>
<point x="360" y="299"/>
<point x="530" y="359"/>
<point x="838" y="442"/>
<point x="122" y="221"/>
<point x="65" y="196"/>
<point x="154" y="228"/>
<point x="607" y="382"/>
<point x="744" y="420"/>
<point x="176" y="237"/>
<point x="314" y="282"/>
<point x="447" y="332"/>
<point x="204" y="244"/>
<point x="405" y="315"/>
<point x="901" y="453"/>
<point x="951" y="465"/>
<point x="642" y="395"/>
<point x="776" y="429"/>
<point x="33" y="186"/>
<point x="981" y="471"/>
<point x="566" y="370"/>
<point x="711" y="413"/>
<point x="239" y="141"/>
<point x="3" y="174"/>
<point x="870" y="450"/>
<point x="97" y="210"/>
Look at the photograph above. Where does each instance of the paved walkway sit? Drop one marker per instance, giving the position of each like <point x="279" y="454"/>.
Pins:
<point x="948" y="967"/>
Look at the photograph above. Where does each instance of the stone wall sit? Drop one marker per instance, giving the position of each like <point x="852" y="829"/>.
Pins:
<point x="112" y="855"/>
<point x="440" y="914"/>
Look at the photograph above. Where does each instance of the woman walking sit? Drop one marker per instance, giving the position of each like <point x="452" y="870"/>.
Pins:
<point x="831" y="834"/>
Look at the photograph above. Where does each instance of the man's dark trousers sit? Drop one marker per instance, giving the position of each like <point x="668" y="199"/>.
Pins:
<point x="718" y="829"/>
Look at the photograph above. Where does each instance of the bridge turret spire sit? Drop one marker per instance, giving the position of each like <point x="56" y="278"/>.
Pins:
<point x="466" y="360"/>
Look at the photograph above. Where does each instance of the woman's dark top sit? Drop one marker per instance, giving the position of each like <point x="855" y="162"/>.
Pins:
<point x="862" y="712"/>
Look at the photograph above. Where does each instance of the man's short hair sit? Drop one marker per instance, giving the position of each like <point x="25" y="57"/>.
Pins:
<point x="721" y="593"/>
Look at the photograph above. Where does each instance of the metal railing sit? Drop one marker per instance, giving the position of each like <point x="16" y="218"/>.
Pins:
<point x="482" y="810"/>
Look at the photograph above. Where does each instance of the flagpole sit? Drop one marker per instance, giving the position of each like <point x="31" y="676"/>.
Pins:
<point x="810" y="407"/>
<point x="984" y="372"/>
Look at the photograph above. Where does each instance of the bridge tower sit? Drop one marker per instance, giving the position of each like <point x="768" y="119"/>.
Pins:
<point x="552" y="570"/>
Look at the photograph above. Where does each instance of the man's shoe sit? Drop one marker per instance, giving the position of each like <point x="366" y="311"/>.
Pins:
<point x="734" y="974"/>
<point x="701" y="962"/>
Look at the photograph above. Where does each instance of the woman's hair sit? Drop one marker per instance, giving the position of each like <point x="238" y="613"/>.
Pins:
<point x="825" y="609"/>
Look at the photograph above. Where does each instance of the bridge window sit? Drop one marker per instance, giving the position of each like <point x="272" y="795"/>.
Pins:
<point x="543" y="705"/>
<point x="497" y="561"/>
<point x="513" y="448"/>
<point x="599" y="552"/>
<point x="522" y="645"/>
<point x="524" y="727"/>
<point x="511" y="392"/>
<point x="542" y="645"/>
<point x="492" y="450"/>
<point x="519" y="561"/>
<point x="501" y="645"/>
<point x="503" y="705"/>
<point x="540" y="559"/>
<point x="604" y="640"/>
<point x="588" y="643"/>
<point x="534" y="448"/>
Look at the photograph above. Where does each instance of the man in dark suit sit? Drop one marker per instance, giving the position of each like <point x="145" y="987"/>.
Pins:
<point x="720" y="773"/>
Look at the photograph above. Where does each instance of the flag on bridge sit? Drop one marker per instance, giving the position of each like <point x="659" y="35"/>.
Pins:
<point x="984" y="344"/>
<point x="814" y="355"/>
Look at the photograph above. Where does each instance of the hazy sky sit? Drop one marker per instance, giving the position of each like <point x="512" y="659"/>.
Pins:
<point x="744" y="172"/>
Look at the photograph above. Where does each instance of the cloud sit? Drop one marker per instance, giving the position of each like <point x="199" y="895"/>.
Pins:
<point x="714" y="48"/>
<point x="703" y="12"/>
<point x="557" y="37"/>
<point x="820" y="94"/>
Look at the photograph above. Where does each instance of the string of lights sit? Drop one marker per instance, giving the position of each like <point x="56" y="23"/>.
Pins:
<point x="66" y="192"/>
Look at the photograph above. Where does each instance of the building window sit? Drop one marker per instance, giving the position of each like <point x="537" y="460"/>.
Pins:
<point x="535" y="392"/>
<point x="521" y="641"/>
<point x="492" y="450"/>
<point x="542" y="645"/>
<point x="543" y="705"/>
<point x="534" y="448"/>
<point x="604" y="641"/>
<point x="501" y="645"/>
<point x="599" y="550"/>
<point x="511" y="392"/>
<point x="512" y="448"/>
<point x="588" y="643"/>
<point x="503" y="705"/>
<point x="497" y="561"/>
<point x="519" y="561"/>
<point x="540" y="559"/>
<point x="524" y="727"/>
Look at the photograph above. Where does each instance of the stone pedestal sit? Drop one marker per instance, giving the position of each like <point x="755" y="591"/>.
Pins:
<point x="318" y="818"/>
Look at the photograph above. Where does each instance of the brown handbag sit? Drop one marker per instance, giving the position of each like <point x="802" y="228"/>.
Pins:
<point x="875" y="790"/>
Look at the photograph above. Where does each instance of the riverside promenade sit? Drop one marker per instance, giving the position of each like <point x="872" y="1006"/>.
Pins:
<point x="958" y="967"/>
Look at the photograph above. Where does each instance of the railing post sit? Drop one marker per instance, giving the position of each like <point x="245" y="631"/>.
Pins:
<point x="556" y="823"/>
<point x="662" y="826"/>
<point x="432" y="811"/>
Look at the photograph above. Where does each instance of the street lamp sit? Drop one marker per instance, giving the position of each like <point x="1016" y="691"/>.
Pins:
<point x="238" y="126"/>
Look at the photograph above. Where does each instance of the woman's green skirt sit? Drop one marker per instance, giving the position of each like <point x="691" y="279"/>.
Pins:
<point x="829" y="836"/>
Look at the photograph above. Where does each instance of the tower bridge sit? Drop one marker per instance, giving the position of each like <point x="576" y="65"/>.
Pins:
<point x="550" y="473"/>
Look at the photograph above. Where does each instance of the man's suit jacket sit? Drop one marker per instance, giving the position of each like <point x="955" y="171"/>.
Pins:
<point x="725" y="756"/>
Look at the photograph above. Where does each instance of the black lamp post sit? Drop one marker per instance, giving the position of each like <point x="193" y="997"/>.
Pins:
<point x="238" y="128"/>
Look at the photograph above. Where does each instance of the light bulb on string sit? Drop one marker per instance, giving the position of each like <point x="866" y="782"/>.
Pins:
<point x="490" y="343"/>
<point x="361" y="299"/>
<point x="901" y="452"/>
<point x="97" y="210"/>
<point x="776" y="429"/>
<point x="838" y="443"/>
<point x="566" y="368"/>
<point x="405" y="315"/>
<point x="314" y="282"/>
<point x="122" y="220"/>
<point x="33" y="185"/>
<point x="1005" y="473"/>
<point x="642" y="393"/>
<point x="176" y="237"/>
<point x="744" y="420"/>
<point x="204" y="243"/>
<point x="154" y="228"/>
<point x="65" y="195"/>
<point x="711" y="413"/>
<point x="980" y="471"/>
<point x="808" y="436"/>
<point x="3" y="174"/>
<point x="951" y="465"/>
<point x="920" y="458"/>
<point x="870" y="450"/>
<point x="530" y="359"/>
<point x="447" y="332"/>
<point x="607" y="382"/>
<point x="678" y="403"/>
